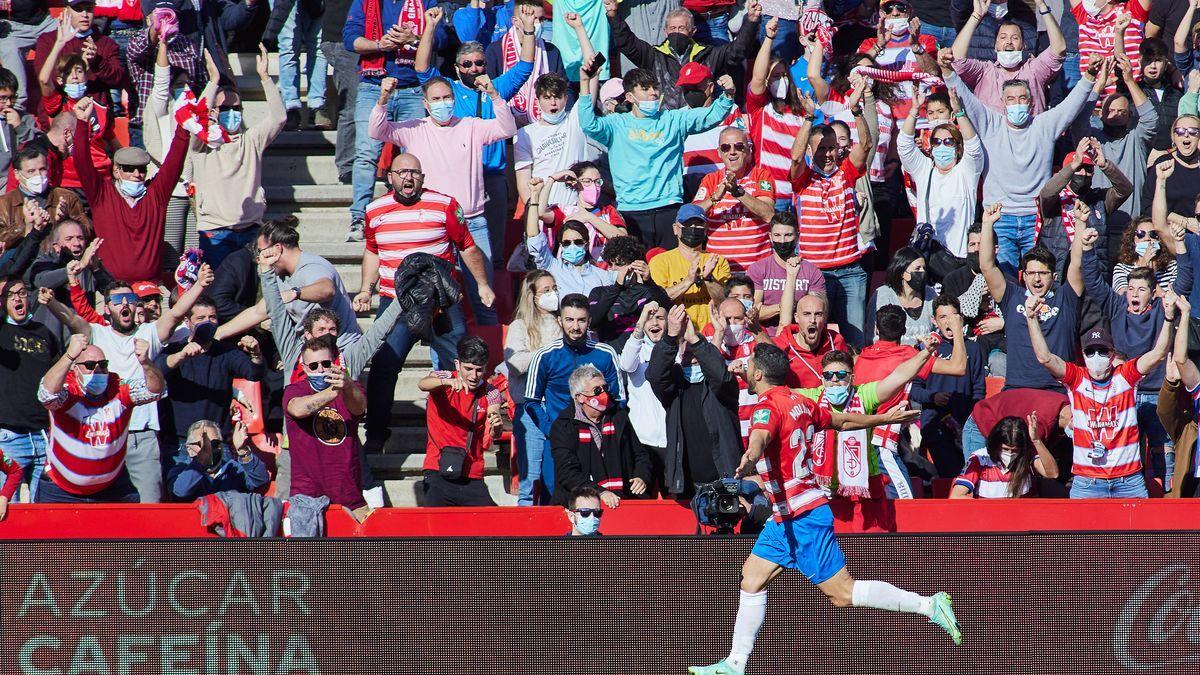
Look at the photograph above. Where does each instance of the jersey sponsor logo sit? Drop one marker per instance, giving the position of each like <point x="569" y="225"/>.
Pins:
<point x="761" y="416"/>
<point x="701" y="194"/>
<point x="1105" y="420"/>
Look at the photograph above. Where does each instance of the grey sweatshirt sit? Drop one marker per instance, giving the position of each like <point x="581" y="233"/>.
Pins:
<point x="1020" y="161"/>
<point x="1128" y="151"/>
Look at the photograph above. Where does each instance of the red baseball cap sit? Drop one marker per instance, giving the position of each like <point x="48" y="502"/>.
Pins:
<point x="1087" y="159"/>
<point x="146" y="289"/>
<point x="693" y="74"/>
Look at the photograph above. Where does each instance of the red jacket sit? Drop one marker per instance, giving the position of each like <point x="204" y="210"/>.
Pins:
<point x="12" y="477"/>
<point x="877" y="361"/>
<point x="106" y="72"/>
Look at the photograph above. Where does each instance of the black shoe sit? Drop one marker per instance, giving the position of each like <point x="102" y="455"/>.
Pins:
<point x="293" y="120"/>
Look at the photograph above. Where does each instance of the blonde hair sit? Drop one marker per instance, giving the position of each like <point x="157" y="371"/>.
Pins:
<point x="527" y="309"/>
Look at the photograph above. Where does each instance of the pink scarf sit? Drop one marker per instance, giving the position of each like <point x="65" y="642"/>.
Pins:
<point x="524" y="103"/>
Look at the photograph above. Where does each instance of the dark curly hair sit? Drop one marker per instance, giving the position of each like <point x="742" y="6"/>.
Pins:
<point x="624" y="250"/>
<point x="1127" y="255"/>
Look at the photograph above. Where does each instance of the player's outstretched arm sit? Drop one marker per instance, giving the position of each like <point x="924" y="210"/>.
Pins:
<point x="843" y="421"/>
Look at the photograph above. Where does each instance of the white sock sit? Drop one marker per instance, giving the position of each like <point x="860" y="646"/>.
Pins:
<point x="882" y="595"/>
<point x="752" y="610"/>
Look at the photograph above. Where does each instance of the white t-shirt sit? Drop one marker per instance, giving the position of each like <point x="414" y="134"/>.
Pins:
<point x="122" y="360"/>
<point x="549" y="148"/>
<point x="946" y="201"/>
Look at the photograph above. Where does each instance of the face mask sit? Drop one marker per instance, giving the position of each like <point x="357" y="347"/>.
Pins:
<point x="35" y="185"/>
<point x="579" y="343"/>
<point x="407" y="200"/>
<point x="679" y="42"/>
<point x="837" y="394"/>
<point x="554" y="118"/>
<point x="998" y="11"/>
<point x="779" y="88"/>
<point x="1097" y="363"/>
<point x="318" y="382"/>
<point x="230" y="120"/>
<point x="468" y="79"/>
<point x="693" y="373"/>
<point x="897" y="27"/>
<point x="13" y="322"/>
<point x="1080" y="184"/>
<point x="734" y="333"/>
<point x="1142" y="247"/>
<point x="441" y="111"/>
<point x="1017" y="113"/>
<point x="590" y="194"/>
<point x="693" y="237"/>
<point x="1009" y="59"/>
<point x="1091" y="7"/>
<point x="695" y="98"/>
<point x="784" y="249"/>
<point x="916" y="281"/>
<point x="1007" y="457"/>
<point x="587" y="525"/>
<point x="747" y="303"/>
<point x="944" y="156"/>
<point x="131" y="188"/>
<point x="572" y="254"/>
<point x="75" y="91"/>
<point x="599" y="402"/>
<point x="203" y="333"/>
<point x="94" y="384"/>
<point x="84" y="34"/>
<point x="973" y="261"/>
<point x="649" y="108"/>
<point x="548" y="301"/>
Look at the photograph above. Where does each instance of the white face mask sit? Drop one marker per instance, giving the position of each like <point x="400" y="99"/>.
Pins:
<point x="1098" y="364"/>
<point x="779" y="88"/>
<point x="897" y="27"/>
<point x="734" y="333"/>
<point x="998" y="11"/>
<point x="548" y="301"/>
<point x="1007" y="457"/>
<point x="1010" y="59"/>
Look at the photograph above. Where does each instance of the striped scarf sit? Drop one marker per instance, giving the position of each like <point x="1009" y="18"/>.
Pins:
<point x="843" y="451"/>
<point x="192" y="114"/>
<point x="524" y="103"/>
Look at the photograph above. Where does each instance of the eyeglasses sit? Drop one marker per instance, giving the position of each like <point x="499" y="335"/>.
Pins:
<point x="260" y="251"/>
<point x="590" y="513"/>
<point x="132" y="168"/>
<point x="597" y="391"/>
<point x="591" y="181"/>
<point x="1096" y="351"/>
<point x="405" y="172"/>
<point x="123" y="298"/>
<point x="1143" y="234"/>
<point x="739" y="146"/>
<point x="7" y="99"/>
<point x="93" y="366"/>
<point x="19" y="293"/>
<point x="227" y="108"/>
<point x="478" y="63"/>
<point x="573" y="242"/>
<point x="1191" y="132"/>
<point x="835" y="375"/>
<point x="317" y="365"/>
<point x="945" y="140"/>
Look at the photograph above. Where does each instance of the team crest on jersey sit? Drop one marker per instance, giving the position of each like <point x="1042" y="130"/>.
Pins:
<point x="764" y="185"/>
<point x="458" y="212"/>
<point x="701" y="194"/>
<point x="761" y="416"/>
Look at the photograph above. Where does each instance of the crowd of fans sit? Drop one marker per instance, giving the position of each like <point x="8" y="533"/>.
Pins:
<point x="987" y="211"/>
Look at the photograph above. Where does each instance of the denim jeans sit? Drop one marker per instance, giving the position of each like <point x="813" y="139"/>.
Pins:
<point x="301" y="34"/>
<point x="972" y="439"/>
<point x="16" y="40"/>
<point x="531" y="447"/>
<point x="143" y="462"/>
<point x="28" y="450"/>
<point x="1015" y="235"/>
<point x="389" y="361"/>
<point x="943" y="34"/>
<point x="846" y="288"/>
<point x="120" y="492"/>
<point x="219" y="243"/>
<point x="712" y="29"/>
<point x="405" y="104"/>
<point x="1161" y="463"/>
<point x="478" y="227"/>
<point x="1126" y="487"/>
<point x="345" y="82"/>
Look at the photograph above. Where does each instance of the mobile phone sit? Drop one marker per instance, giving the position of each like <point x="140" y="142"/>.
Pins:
<point x="600" y="60"/>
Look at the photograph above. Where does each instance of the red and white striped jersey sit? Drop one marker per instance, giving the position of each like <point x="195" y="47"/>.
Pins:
<point x="828" y="215"/>
<point x="433" y="225"/>
<point x="733" y="232"/>
<point x="772" y="133"/>
<point x="786" y="464"/>
<point x="87" y="436"/>
<point x="746" y="400"/>
<point x="700" y="156"/>
<point x="987" y="479"/>
<point x="1104" y="418"/>
<point x="1097" y="36"/>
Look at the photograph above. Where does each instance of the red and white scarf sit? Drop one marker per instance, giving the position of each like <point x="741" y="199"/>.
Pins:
<point x="893" y="76"/>
<point x="843" y="451"/>
<point x="524" y="103"/>
<point x="192" y="115"/>
<point x="412" y="17"/>
<point x="1066" y="207"/>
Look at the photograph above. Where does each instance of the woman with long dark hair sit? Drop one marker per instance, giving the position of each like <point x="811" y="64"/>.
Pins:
<point x="1006" y="466"/>
<point x="906" y="287"/>
<point x="1140" y="247"/>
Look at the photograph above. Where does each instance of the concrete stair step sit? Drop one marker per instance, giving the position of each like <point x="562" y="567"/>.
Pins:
<point x="304" y="140"/>
<point x="292" y="169"/>
<point x="390" y="466"/>
<point x="336" y="252"/>
<point x="327" y="224"/>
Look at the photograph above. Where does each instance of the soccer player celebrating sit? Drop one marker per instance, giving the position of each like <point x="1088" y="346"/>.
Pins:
<point x="800" y="534"/>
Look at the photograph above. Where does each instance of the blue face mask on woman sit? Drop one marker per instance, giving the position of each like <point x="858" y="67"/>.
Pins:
<point x="944" y="156"/>
<point x="573" y="254"/>
<point x="230" y="120"/>
<point x="837" y="394"/>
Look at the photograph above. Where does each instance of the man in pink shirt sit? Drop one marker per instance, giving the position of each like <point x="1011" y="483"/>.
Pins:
<point x="449" y="148"/>
<point x="987" y="78"/>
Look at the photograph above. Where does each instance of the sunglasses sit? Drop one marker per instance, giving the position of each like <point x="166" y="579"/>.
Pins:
<point x="478" y="63"/>
<point x="893" y="8"/>
<point x="93" y="366"/>
<point x="316" y="365"/>
<point x="123" y="298"/>
<point x="1142" y="234"/>
<point x="1096" y="351"/>
<point x="132" y="168"/>
<point x="949" y="142"/>
<point x="590" y="513"/>
<point x="227" y="108"/>
<point x="597" y="391"/>
<point x="573" y="242"/>
<point x="1191" y="132"/>
<point x="739" y="146"/>
<point x="835" y="375"/>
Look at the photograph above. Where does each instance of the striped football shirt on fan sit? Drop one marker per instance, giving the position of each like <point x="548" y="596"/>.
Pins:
<point x="772" y="133"/>
<point x="733" y="232"/>
<point x="987" y="479"/>
<point x="828" y="214"/>
<point x="432" y="225"/>
<point x="86" y="452"/>
<point x="786" y="463"/>
<point x="700" y="157"/>
<point x="1097" y="37"/>
<point x="1106" y="439"/>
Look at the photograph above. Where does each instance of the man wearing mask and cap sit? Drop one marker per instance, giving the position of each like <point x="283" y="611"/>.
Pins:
<point x="1106" y="439"/>
<point x="990" y="47"/>
<point x="691" y="276"/>
<point x="700" y="150"/>
<point x="1074" y="181"/>
<point x="129" y="211"/>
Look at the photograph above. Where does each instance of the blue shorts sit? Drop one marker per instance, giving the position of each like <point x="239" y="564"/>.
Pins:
<point x="806" y="543"/>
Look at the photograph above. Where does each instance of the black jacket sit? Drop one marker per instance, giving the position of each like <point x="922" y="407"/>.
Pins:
<point x="616" y="308"/>
<point x="236" y="285"/>
<point x="425" y="288"/>
<point x="578" y="463"/>
<point x="720" y="407"/>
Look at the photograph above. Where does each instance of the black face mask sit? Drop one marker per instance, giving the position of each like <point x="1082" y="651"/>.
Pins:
<point x="679" y="43"/>
<point x="623" y="107"/>
<point x="407" y="201"/>
<point x="916" y="281"/>
<point x="577" y="344"/>
<point x="1080" y="184"/>
<point x="784" y="249"/>
<point x="973" y="261"/>
<point x="693" y="237"/>
<point x="468" y="79"/>
<point x="695" y="98"/>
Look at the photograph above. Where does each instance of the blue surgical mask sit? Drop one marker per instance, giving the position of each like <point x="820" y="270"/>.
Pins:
<point x="693" y="373"/>
<point x="587" y="525"/>
<point x="75" y="91"/>
<point x="554" y="118"/>
<point x="837" y="394"/>
<point x="83" y="35"/>
<point x="944" y="156"/>
<point x="1017" y="113"/>
<point x="1142" y="247"/>
<point x="131" y="188"/>
<point x="572" y="254"/>
<point x="441" y="111"/>
<point x="13" y="322"/>
<point x="649" y="108"/>
<point x="94" y="384"/>
<point x="318" y="382"/>
<point x="747" y="303"/>
<point x="230" y="120"/>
